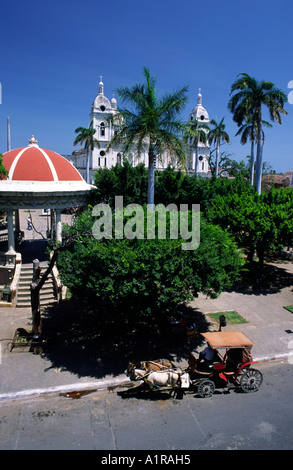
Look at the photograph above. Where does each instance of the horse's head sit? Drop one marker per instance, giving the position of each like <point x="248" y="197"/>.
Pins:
<point x="130" y="371"/>
<point x="133" y="372"/>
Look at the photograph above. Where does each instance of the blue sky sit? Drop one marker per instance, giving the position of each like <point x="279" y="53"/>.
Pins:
<point x="52" y="54"/>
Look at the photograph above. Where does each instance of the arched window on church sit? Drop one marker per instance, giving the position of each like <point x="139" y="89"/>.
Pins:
<point x="101" y="160"/>
<point x="119" y="158"/>
<point x="102" y="129"/>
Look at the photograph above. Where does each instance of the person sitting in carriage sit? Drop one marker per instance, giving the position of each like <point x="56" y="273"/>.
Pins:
<point x="207" y="356"/>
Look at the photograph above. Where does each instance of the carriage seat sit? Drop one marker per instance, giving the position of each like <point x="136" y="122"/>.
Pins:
<point x="198" y="366"/>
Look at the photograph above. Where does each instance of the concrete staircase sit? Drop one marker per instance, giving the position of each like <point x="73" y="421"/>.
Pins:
<point x="23" y="297"/>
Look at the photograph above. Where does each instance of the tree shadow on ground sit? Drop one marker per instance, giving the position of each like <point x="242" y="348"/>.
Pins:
<point x="86" y="344"/>
<point x="272" y="280"/>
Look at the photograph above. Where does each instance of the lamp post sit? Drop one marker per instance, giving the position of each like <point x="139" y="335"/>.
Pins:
<point x="223" y="322"/>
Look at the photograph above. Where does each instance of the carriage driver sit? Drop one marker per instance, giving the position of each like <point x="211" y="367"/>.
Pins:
<point x="207" y="355"/>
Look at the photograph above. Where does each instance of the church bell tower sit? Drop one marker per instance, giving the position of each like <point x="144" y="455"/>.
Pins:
<point x="202" y="116"/>
<point x="102" y="112"/>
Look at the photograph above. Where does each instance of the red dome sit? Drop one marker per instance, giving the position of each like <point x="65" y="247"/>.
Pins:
<point x="33" y="163"/>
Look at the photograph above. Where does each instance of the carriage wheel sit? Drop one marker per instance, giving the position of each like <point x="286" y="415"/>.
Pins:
<point x="251" y="380"/>
<point x="38" y="350"/>
<point x="206" y="388"/>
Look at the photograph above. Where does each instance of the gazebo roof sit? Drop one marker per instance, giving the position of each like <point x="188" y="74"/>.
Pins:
<point x="40" y="178"/>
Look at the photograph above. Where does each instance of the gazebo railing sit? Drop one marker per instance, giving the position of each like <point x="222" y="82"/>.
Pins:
<point x="3" y="237"/>
<point x="7" y="258"/>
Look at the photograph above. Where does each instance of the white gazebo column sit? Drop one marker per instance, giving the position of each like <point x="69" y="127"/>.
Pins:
<point x="11" y="242"/>
<point x="58" y="226"/>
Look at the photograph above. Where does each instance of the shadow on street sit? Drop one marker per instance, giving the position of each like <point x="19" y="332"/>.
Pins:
<point x="86" y="344"/>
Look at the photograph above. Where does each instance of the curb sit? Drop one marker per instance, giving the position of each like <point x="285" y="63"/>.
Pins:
<point x="93" y="386"/>
<point x="101" y="385"/>
<point x="276" y="357"/>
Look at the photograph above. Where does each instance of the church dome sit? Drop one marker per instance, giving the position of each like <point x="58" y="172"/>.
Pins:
<point x="114" y="103"/>
<point x="101" y="102"/>
<point x="199" y="112"/>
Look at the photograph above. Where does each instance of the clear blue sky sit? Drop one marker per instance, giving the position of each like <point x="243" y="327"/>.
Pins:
<point x="53" y="52"/>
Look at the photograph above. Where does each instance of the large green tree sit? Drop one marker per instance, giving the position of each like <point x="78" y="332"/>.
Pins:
<point x="250" y="97"/>
<point x="259" y="223"/>
<point x="218" y="135"/>
<point x="138" y="277"/>
<point x="85" y="136"/>
<point x="151" y="123"/>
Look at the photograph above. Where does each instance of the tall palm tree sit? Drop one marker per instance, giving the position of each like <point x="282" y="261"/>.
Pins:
<point x="151" y="125"/>
<point x="248" y="130"/>
<point x="86" y="136"/>
<point x="218" y="135"/>
<point x="194" y="134"/>
<point x="249" y="100"/>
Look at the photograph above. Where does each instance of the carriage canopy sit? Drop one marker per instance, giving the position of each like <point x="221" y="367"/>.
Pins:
<point x="227" y="339"/>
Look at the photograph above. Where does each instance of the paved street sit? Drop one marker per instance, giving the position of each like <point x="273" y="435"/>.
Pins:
<point x="106" y="421"/>
<point x="41" y="223"/>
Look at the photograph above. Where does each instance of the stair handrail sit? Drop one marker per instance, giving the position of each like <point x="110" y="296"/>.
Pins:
<point x="16" y="277"/>
<point x="56" y="280"/>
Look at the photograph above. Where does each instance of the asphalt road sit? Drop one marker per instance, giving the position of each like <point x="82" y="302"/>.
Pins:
<point x="106" y="421"/>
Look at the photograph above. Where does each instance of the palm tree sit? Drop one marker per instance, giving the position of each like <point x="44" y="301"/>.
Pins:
<point x="248" y="130"/>
<point x="150" y="125"/>
<point x="218" y="135"/>
<point x="194" y="134"/>
<point x="249" y="101"/>
<point x="86" y="136"/>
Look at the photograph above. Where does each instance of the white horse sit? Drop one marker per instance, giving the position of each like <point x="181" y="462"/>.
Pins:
<point x="164" y="378"/>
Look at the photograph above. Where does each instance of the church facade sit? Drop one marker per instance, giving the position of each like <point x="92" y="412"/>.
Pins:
<point x="102" y="112"/>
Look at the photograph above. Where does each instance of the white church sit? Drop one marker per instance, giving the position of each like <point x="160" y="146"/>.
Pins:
<point x="102" y="111"/>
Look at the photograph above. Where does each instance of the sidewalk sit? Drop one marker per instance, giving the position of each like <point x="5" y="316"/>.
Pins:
<point x="269" y="326"/>
<point x="268" y="322"/>
<point x="24" y="374"/>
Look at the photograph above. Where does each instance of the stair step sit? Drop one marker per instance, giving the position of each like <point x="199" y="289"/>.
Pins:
<point x="45" y="288"/>
<point x="48" y="282"/>
<point x="42" y="303"/>
<point x="47" y="293"/>
<point x="43" y="295"/>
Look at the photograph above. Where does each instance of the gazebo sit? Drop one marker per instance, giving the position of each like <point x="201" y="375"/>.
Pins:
<point x="38" y="179"/>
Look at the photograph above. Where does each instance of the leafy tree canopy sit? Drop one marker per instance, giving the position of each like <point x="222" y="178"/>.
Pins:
<point x="143" y="276"/>
<point x="172" y="186"/>
<point x="3" y="171"/>
<point x="258" y="222"/>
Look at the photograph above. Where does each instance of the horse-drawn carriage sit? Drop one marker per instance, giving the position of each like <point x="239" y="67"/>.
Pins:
<point x="225" y="363"/>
